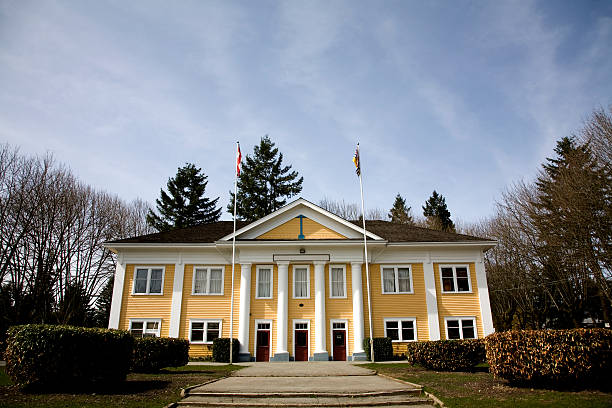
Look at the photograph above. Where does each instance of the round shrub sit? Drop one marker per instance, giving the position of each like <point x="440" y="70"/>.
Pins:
<point x="383" y="348"/>
<point x="551" y="357"/>
<point x="52" y="356"/>
<point x="220" y="350"/>
<point x="151" y="354"/>
<point x="446" y="355"/>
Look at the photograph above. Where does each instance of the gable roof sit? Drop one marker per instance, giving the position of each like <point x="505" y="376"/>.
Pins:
<point x="210" y="233"/>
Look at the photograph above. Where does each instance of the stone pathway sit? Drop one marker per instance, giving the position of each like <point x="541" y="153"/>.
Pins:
<point x="305" y="384"/>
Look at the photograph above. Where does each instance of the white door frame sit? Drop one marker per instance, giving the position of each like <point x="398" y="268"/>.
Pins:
<point x="257" y="321"/>
<point x="308" y="328"/>
<point x="331" y="335"/>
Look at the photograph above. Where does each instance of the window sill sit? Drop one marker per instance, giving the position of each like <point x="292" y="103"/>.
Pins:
<point x="147" y="294"/>
<point x="207" y="294"/>
<point x="398" y="293"/>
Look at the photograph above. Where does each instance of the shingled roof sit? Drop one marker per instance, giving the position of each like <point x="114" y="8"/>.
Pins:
<point x="209" y="233"/>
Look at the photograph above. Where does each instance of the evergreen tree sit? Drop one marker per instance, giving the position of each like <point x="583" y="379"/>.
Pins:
<point x="438" y="215"/>
<point x="573" y="216"/>
<point x="103" y="304"/>
<point x="264" y="184"/>
<point x="400" y="213"/>
<point x="184" y="205"/>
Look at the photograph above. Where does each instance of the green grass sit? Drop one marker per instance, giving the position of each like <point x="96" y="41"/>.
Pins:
<point x="139" y="390"/>
<point x="480" y="389"/>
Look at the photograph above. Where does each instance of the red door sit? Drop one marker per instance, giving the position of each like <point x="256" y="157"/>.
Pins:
<point x="339" y="345"/>
<point x="263" y="345"/>
<point x="301" y="345"/>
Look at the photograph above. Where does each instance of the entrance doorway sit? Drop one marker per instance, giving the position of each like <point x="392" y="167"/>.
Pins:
<point x="339" y="341"/>
<point x="300" y="338"/>
<point x="262" y="342"/>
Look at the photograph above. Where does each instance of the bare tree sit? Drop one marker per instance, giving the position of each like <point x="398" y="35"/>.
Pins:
<point x="351" y="211"/>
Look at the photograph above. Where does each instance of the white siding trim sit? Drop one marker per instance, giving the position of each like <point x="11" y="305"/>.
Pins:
<point x="483" y="298"/>
<point x="431" y="299"/>
<point x="115" y="312"/>
<point x="177" y="299"/>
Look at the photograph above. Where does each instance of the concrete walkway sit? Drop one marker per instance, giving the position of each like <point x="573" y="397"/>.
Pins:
<point x="305" y="384"/>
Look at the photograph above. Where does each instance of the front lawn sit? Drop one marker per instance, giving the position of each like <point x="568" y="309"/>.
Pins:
<point x="139" y="390"/>
<point x="480" y="389"/>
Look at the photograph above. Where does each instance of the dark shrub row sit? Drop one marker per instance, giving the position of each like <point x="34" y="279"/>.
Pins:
<point x="40" y="355"/>
<point x="383" y="348"/>
<point x="151" y="354"/>
<point x="446" y="355"/>
<point x="550" y="357"/>
<point x="220" y="350"/>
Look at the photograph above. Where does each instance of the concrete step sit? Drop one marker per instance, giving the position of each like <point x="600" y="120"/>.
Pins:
<point x="304" y="401"/>
<point x="410" y="392"/>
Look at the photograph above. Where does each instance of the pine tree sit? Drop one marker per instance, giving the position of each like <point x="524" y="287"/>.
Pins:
<point x="438" y="215"/>
<point x="264" y="184"/>
<point x="184" y="205"/>
<point x="573" y="214"/>
<point x="400" y="213"/>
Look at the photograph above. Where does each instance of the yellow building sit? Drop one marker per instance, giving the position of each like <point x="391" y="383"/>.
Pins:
<point x="301" y="286"/>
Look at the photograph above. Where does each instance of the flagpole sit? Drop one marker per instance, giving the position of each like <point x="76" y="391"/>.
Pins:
<point x="231" y="347"/>
<point x="365" y="253"/>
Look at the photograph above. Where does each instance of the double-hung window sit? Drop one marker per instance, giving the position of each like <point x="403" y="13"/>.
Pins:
<point x="145" y="327"/>
<point x="337" y="281"/>
<point x="455" y="278"/>
<point x="401" y="329"/>
<point x="148" y="280"/>
<point x="264" y="282"/>
<point x="301" y="282"/>
<point x="460" y="328"/>
<point x="396" y="279"/>
<point x="208" y="281"/>
<point x="204" y="331"/>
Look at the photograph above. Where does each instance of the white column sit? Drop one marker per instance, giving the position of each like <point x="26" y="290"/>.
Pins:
<point x="320" y="351"/>
<point x="358" y="352"/>
<point x="282" y="312"/>
<point x="483" y="296"/>
<point x="431" y="299"/>
<point x="244" y="309"/>
<point x="115" y="312"/>
<point x="177" y="299"/>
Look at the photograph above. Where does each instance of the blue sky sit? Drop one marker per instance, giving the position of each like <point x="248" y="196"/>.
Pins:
<point x="464" y="97"/>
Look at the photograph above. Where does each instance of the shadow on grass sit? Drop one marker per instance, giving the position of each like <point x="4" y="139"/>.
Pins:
<point x="119" y="388"/>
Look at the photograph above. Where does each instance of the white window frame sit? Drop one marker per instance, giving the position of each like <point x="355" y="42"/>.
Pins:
<point x="144" y="325"/>
<point x="307" y="281"/>
<point x="308" y="328"/>
<point x="208" y="268"/>
<point x="454" y="267"/>
<point x="205" y="321"/>
<point x="343" y="278"/>
<point x="257" y="321"/>
<point x="396" y="276"/>
<point x="149" y="268"/>
<point x="331" y="335"/>
<point x="257" y="269"/>
<point x="399" y="328"/>
<point x="460" y="319"/>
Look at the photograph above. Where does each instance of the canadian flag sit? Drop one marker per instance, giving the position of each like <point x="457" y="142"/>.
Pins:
<point x="238" y="159"/>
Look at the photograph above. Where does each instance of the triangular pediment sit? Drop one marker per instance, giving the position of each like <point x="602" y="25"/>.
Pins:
<point x="316" y="224"/>
<point x="301" y="227"/>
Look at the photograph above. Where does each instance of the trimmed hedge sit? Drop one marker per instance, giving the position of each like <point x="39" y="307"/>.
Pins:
<point x="220" y="350"/>
<point x="551" y="357"/>
<point x="151" y="354"/>
<point x="49" y="356"/>
<point x="383" y="348"/>
<point x="447" y="355"/>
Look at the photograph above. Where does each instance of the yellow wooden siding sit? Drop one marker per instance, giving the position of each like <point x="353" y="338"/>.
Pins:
<point x="147" y="306"/>
<point x="305" y="312"/>
<point x="458" y="304"/>
<point x="209" y="307"/>
<point x="263" y="309"/>
<point x="311" y="230"/>
<point x="396" y="305"/>
<point x="340" y="309"/>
